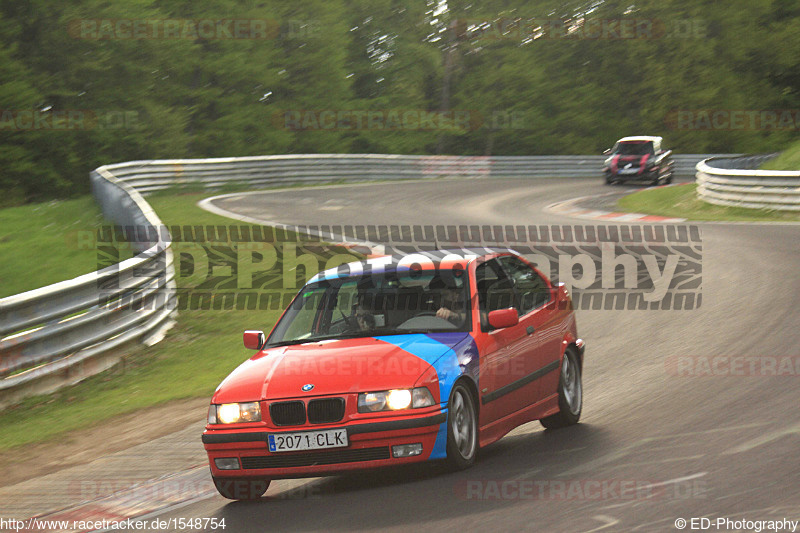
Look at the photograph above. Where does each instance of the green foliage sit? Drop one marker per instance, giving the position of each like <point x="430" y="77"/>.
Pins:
<point x="789" y="159"/>
<point x="48" y="242"/>
<point x="526" y="88"/>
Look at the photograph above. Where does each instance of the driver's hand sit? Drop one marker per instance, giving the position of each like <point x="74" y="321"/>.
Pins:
<point x="446" y="313"/>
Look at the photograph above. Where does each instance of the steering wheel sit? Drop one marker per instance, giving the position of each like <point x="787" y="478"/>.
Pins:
<point x="350" y="322"/>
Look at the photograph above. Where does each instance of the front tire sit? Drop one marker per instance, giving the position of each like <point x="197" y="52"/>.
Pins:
<point x="241" y="489"/>
<point x="570" y="394"/>
<point x="462" y="429"/>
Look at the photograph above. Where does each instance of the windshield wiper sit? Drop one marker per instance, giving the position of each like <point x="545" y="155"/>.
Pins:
<point x="287" y="343"/>
<point x="363" y="334"/>
<point x="323" y="338"/>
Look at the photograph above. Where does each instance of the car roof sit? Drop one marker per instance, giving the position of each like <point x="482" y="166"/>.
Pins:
<point x="640" y="138"/>
<point x="391" y="262"/>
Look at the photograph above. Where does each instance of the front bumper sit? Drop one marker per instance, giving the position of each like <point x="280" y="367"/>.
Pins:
<point x="646" y="174"/>
<point x="369" y="446"/>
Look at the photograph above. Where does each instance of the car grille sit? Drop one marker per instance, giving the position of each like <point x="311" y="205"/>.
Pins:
<point x="325" y="410"/>
<point x="316" y="458"/>
<point x="320" y="411"/>
<point x="288" y="413"/>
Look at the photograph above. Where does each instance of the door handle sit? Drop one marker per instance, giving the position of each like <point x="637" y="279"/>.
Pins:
<point x="530" y="330"/>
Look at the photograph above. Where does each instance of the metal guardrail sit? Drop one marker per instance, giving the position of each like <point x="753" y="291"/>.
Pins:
<point x="62" y="333"/>
<point x="733" y="181"/>
<point x="276" y="170"/>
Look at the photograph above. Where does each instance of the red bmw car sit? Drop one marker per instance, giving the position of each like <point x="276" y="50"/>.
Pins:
<point x="395" y="360"/>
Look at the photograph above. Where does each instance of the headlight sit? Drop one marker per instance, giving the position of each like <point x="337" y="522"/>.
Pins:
<point x="398" y="399"/>
<point x="394" y="400"/>
<point x="234" y="413"/>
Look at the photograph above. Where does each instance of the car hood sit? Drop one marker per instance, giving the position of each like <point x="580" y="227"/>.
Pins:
<point x="337" y="366"/>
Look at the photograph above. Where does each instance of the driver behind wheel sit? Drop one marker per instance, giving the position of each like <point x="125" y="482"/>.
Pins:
<point x="451" y="301"/>
<point x="365" y="319"/>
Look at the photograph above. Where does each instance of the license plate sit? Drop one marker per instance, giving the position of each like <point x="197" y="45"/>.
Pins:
<point x="629" y="171"/>
<point x="307" y="440"/>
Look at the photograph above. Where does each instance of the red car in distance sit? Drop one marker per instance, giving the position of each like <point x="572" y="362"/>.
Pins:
<point x="638" y="158"/>
<point x="394" y="360"/>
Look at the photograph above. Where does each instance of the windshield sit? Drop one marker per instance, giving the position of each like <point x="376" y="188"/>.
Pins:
<point x="378" y="304"/>
<point x="634" y="148"/>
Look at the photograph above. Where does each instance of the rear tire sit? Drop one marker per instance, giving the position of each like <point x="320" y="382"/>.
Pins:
<point x="570" y="394"/>
<point x="241" y="489"/>
<point x="462" y="429"/>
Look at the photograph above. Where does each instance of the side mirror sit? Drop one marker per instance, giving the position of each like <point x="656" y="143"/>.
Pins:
<point x="503" y="318"/>
<point x="562" y="300"/>
<point x="254" y="339"/>
<point x="607" y="151"/>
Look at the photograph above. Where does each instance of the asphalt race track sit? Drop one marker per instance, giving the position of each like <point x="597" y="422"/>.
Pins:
<point x="654" y="445"/>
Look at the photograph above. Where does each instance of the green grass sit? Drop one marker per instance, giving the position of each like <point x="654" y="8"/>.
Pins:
<point x="681" y="201"/>
<point x="789" y="159"/>
<point x="190" y="362"/>
<point x="45" y="243"/>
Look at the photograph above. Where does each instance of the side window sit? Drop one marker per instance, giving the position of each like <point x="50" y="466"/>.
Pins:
<point x="303" y="325"/>
<point x="532" y="290"/>
<point x="495" y="289"/>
